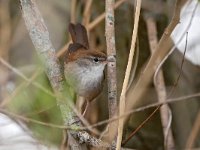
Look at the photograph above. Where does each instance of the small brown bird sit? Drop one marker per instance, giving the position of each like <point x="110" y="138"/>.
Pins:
<point x="84" y="67"/>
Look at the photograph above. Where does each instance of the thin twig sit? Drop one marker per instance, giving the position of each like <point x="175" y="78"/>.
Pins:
<point x="163" y="47"/>
<point x="19" y="89"/>
<point x="91" y="26"/>
<point x="172" y="100"/>
<point x="165" y="111"/>
<point x="141" y="125"/>
<point x="27" y="120"/>
<point x="63" y="49"/>
<point x="16" y="71"/>
<point x="41" y="110"/>
<point x="181" y="69"/>
<point x="101" y="17"/>
<point x="127" y="74"/>
<point x="111" y="56"/>
<point x="174" y="47"/>
<point x="87" y="13"/>
<point x="73" y="11"/>
<point x="63" y="144"/>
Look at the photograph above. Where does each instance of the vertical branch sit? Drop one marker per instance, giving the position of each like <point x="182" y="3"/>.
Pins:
<point x="127" y="74"/>
<point x="165" y="111"/>
<point x="111" y="55"/>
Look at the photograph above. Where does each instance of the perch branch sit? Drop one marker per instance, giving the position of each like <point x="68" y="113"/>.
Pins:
<point x="111" y="66"/>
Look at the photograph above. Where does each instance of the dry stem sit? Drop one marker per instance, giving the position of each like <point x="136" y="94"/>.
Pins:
<point x="165" y="111"/>
<point x="73" y="11"/>
<point x="194" y="133"/>
<point x="18" y="90"/>
<point x="142" y="108"/>
<point x="127" y="74"/>
<point x="164" y="45"/>
<point x="20" y="74"/>
<point x="87" y="13"/>
<point x="91" y="26"/>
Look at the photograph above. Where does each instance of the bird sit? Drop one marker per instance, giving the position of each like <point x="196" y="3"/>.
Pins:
<point x="83" y="67"/>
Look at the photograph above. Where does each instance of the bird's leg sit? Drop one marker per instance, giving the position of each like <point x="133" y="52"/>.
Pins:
<point x="82" y="105"/>
<point x="79" y="103"/>
<point x="86" y="107"/>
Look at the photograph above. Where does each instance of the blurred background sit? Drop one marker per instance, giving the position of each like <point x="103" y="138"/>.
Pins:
<point x="22" y="98"/>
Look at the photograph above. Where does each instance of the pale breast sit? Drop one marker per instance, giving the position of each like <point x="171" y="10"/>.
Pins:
<point x="86" y="82"/>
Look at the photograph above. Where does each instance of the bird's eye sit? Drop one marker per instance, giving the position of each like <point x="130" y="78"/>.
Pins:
<point x="96" y="59"/>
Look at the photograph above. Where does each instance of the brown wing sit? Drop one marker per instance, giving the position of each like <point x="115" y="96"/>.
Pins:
<point x="79" y="34"/>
